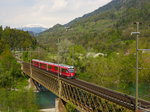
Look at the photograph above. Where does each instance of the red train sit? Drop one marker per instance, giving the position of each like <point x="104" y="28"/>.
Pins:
<point x="64" y="70"/>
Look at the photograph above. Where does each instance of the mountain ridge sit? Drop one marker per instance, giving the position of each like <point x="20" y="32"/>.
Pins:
<point x="108" y="26"/>
<point x="33" y="28"/>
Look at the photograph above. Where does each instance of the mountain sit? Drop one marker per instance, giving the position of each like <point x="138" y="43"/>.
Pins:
<point x="35" y="29"/>
<point x="106" y="29"/>
<point x="114" y="5"/>
<point x="102" y="9"/>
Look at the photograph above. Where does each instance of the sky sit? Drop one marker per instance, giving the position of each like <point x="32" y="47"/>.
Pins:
<point x="19" y="13"/>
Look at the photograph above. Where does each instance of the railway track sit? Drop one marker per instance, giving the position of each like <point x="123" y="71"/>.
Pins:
<point x="116" y="97"/>
<point x="113" y="96"/>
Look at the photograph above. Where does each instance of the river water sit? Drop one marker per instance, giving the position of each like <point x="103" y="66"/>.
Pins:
<point x="46" y="99"/>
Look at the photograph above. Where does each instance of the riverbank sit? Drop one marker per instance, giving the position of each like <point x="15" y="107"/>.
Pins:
<point x="48" y="110"/>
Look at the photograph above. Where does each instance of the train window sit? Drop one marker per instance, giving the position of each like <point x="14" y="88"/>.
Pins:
<point x="49" y="67"/>
<point x="63" y="70"/>
<point x="71" y="70"/>
<point x="56" y="68"/>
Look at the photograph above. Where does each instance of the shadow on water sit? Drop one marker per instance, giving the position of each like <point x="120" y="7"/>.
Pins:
<point x="46" y="99"/>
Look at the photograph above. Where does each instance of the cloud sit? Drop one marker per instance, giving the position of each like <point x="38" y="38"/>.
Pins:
<point x="16" y="13"/>
<point x="59" y="4"/>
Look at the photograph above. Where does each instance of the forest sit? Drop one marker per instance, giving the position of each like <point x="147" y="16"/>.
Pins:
<point x="13" y="95"/>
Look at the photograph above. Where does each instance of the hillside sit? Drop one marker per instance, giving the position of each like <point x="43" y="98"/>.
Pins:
<point x="115" y="5"/>
<point x="14" y="39"/>
<point x="106" y="26"/>
<point x="101" y="47"/>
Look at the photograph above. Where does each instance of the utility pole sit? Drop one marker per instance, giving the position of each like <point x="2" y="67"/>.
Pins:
<point x="137" y="63"/>
<point x="58" y="58"/>
<point x="59" y="71"/>
<point x="30" y="65"/>
<point x="137" y="66"/>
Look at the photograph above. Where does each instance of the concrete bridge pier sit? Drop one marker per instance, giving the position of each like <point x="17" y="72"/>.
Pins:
<point x="32" y="84"/>
<point x="60" y="106"/>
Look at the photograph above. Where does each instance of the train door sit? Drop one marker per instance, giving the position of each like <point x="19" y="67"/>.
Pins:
<point x="44" y="66"/>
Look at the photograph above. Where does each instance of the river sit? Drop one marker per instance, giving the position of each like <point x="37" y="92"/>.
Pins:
<point x="46" y="99"/>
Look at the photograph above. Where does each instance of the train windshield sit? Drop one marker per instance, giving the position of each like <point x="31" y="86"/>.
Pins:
<point x="71" y="70"/>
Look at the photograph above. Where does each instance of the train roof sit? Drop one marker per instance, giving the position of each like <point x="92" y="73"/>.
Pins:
<point x="67" y="66"/>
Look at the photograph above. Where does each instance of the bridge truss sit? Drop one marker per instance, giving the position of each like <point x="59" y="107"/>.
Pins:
<point x="85" y="96"/>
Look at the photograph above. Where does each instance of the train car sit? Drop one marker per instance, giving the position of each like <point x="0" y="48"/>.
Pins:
<point x="63" y="70"/>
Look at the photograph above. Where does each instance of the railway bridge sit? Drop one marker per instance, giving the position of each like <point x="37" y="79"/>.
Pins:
<point x="85" y="96"/>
